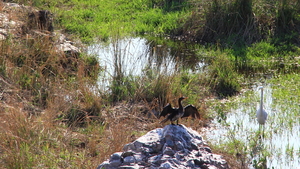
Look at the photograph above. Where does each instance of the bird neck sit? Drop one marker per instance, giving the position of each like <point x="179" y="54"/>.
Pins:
<point x="261" y="99"/>
<point x="180" y="106"/>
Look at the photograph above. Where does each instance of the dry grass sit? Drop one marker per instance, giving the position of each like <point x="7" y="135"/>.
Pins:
<point x="39" y="87"/>
<point x="44" y="138"/>
<point x="50" y="117"/>
<point x="43" y="141"/>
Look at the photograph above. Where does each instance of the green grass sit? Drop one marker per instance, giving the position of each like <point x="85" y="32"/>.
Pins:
<point x="71" y="130"/>
<point x="229" y="22"/>
<point x="106" y="18"/>
<point x="286" y="97"/>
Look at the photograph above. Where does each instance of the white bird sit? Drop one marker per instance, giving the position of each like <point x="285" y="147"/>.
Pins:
<point x="261" y="114"/>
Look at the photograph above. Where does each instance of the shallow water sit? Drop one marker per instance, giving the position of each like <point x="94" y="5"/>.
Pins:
<point x="134" y="55"/>
<point x="281" y="138"/>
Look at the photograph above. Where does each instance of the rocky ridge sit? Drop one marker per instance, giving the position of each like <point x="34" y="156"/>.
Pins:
<point x="174" y="146"/>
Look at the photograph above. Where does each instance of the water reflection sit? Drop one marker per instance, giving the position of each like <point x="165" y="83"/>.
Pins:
<point x="281" y="146"/>
<point x="133" y="56"/>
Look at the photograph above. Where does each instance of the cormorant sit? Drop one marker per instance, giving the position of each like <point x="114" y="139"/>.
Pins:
<point x="176" y="113"/>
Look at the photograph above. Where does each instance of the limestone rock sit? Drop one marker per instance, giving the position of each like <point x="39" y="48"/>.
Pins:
<point x="174" y="146"/>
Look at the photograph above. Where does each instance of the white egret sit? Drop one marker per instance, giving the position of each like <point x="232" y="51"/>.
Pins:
<point x="261" y="114"/>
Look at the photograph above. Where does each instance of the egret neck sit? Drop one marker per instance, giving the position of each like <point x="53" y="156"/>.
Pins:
<point x="261" y="99"/>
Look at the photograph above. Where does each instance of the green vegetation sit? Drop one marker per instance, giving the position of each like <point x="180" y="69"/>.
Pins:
<point x="239" y="22"/>
<point x="56" y="118"/>
<point x="242" y="137"/>
<point x="104" y="19"/>
<point x="230" y="22"/>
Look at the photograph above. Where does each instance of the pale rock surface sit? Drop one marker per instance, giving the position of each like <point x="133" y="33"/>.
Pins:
<point x="174" y="146"/>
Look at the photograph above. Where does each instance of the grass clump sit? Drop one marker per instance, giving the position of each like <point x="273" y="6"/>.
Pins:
<point x="224" y="78"/>
<point x="157" y="85"/>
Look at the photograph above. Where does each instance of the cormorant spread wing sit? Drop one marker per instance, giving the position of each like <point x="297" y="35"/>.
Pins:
<point x="167" y="110"/>
<point x="191" y="110"/>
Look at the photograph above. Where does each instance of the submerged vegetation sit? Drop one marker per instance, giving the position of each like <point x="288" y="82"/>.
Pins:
<point x="54" y="114"/>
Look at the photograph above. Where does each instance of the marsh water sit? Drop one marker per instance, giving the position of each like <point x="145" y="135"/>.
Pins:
<point x="280" y="145"/>
<point x="134" y="55"/>
<point x="278" y="142"/>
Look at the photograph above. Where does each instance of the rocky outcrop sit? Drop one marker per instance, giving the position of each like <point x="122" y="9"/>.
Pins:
<point x="174" y="146"/>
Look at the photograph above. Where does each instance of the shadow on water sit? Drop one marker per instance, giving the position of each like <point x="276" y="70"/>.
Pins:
<point x="280" y="146"/>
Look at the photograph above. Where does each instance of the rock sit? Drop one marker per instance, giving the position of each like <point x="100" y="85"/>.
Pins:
<point x="115" y="159"/>
<point x="166" y="165"/>
<point x="127" y="153"/>
<point x="129" y="160"/>
<point x="174" y="146"/>
<point x="116" y="156"/>
<point x="68" y="48"/>
<point x="156" y="159"/>
<point x="168" y="151"/>
<point x="139" y="157"/>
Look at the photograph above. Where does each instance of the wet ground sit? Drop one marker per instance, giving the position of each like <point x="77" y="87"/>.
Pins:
<point x="277" y="147"/>
<point x="278" y="142"/>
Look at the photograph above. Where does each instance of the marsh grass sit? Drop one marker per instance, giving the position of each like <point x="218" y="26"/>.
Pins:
<point x="250" y="146"/>
<point x="232" y="22"/>
<point x="224" y="78"/>
<point x="59" y="122"/>
<point x="51" y="117"/>
<point x="138" y="72"/>
<point x="153" y="84"/>
<point x="247" y="147"/>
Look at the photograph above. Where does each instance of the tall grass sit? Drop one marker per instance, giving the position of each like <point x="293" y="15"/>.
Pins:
<point x="224" y="77"/>
<point x="50" y="117"/>
<point x="242" y="21"/>
<point x="157" y="76"/>
<point x="40" y="88"/>
<point x="60" y="122"/>
<point x="229" y="22"/>
<point x="40" y="142"/>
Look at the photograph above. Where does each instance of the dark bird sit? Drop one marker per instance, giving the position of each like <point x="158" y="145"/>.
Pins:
<point x="175" y="113"/>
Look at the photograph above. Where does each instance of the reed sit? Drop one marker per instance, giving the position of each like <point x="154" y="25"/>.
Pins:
<point x="52" y="116"/>
<point x="232" y="22"/>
